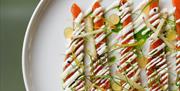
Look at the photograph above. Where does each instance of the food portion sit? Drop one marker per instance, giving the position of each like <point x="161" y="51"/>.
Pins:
<point x="73" y="71"/>
<point x="123" y="47"/>
<point x="99" y="66"/>
<point x="127" y="64"/>
<point x="157" y="69"/>
<point x="177" y="16"/>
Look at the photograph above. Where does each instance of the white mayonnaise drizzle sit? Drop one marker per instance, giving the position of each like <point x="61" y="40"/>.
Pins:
<point x="140" y="6"/>
<point x="129" y="60"/>
<point x="79" y="29"/>
<point x="125" y="17"/>
<point x="72" y="78"/>
<point x="73" y="64"/>
<point x="133" y="67"/>
<point x="100" y="38"/>
<point x="125" y="55"/>
<point x="89" y="10"/>
<point x="178" y="21"/>
<point x="139" y="23"/>
<point x="79" y="18"/>
<point x="160" y="60"/>
<point x="154" y="11"/>
<point x="96" y="11"/>
<point x="156" y="50"/>
<point x="125" y="30"/>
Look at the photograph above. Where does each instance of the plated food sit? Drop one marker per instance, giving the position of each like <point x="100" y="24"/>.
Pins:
<point x="73" y="75"/>
<point x="120" y="48"/>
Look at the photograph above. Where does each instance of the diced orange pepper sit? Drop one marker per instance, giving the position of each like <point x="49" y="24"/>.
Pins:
<point x="123" y="1"/>
<point x="127" y="21"/>
<point x="96" y="5"/>
<point x="156" y="43"/>
<point x="99" y="23"/>
<point x="177" y="14"/>
<point x="75" y="9"/>
<point x="155" y="3"/>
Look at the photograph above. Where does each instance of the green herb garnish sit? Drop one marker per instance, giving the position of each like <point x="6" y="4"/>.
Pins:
<point x="112" y="60"/>
<point x="117" y="28"/>
<point x="138" y="36"/>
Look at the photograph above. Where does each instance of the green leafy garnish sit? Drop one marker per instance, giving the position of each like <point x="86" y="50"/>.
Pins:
<point x="178" y="84"/>
<point x="117" y="28"/>
<point x="112" y="60"/>
<point x="139" y="36"/>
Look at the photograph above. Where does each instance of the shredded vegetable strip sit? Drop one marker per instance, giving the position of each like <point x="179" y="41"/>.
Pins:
<point x="87" y="34"/>
<point x="128" y="80"/>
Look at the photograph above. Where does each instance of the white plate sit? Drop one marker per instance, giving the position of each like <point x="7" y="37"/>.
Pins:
<point x="44" y="43"/>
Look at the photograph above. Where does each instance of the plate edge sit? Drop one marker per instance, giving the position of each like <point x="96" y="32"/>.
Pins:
<point x="36" y="13"/>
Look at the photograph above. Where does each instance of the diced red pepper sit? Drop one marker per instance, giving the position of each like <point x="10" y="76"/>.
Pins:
<point x="75" y="10"/>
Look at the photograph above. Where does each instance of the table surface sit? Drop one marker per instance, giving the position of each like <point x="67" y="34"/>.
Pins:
<point x="14" y="17"/>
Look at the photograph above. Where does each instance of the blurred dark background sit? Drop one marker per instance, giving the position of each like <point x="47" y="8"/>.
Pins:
<point x="14" y="17"/>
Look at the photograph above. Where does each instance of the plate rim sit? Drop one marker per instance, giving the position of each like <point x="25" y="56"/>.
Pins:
<point x="37" y="12"/>
<point x="26" y="42"/>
